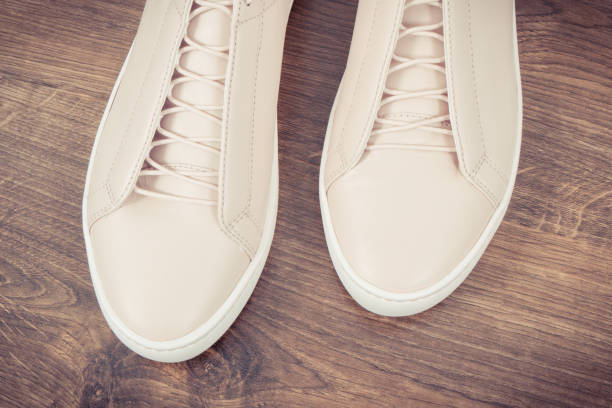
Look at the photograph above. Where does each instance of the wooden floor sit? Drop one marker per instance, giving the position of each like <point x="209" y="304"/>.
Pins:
<point x="531" y="326"/>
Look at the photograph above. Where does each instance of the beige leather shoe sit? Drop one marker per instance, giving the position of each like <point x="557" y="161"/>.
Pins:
<point x="422" y="148"/>
<point x="181" y="193"/>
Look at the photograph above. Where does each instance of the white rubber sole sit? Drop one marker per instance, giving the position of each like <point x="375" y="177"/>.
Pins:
<point x="388" y="303"/>
<point x="207" y="334"/>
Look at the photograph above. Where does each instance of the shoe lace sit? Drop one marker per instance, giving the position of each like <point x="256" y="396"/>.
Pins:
<point x="207" y="178"/>
<point x="385" y="125"/>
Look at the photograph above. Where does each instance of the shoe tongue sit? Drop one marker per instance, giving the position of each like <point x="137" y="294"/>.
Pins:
<point x="211" y="28"/>
<point x="417" y="79"/>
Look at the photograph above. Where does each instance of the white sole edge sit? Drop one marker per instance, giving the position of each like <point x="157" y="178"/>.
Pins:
<point x="387" y="303"/>
<point x="200" y="339"/>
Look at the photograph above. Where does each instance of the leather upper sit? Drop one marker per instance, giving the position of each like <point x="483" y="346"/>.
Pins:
<point x="484" y="90"/>
<point x="166" y="266"/>
<point x="257" y="38"/>
<point x="134" y="114"/>
<point x="374" y="38"/>
<point x="404" y="218"/>
<point x="404" y="238"/>
<point x="250" y="118"/>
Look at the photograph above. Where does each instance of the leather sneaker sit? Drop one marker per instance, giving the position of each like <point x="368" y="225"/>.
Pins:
<point x="422" y="148"/>
<point x="181" y="194"/>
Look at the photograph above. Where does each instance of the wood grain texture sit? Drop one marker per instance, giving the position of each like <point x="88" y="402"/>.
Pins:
<point x="531" y="326"/>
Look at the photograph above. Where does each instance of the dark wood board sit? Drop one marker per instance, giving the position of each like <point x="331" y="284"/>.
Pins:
<point x="531" y="326"/>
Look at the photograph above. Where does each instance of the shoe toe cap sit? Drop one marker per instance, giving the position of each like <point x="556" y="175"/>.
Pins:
<point x="164" y="267"/>
<point x="404" y="219"/>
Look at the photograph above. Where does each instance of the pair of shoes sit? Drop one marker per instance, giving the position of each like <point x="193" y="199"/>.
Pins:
<point x="417" y="170"/>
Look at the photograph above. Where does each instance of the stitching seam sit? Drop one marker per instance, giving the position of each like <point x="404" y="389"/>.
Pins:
<point x="484" y="156"/>
<point x="231" y="225"/>
<point x="496" y="169"/>
<point x="224" y="148"/>
<point x="262" y="11"/>
<point x="228" y="226"/>
<point x="246" y="210"/>
<point x="340" y="145"/>
<point x="98" y="214"/>
<point x="474" y="78"/>
<point x="367" y="130"/>
<point x="365" y="134"/>
<point x="449" y="27"/>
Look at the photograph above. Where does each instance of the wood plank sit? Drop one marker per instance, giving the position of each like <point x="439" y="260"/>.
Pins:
<point x="531" y="326"/>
